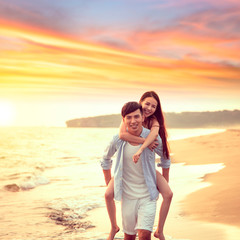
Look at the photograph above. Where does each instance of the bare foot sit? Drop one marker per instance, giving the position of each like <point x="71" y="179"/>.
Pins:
<point x="159" y="235"/>
<point x="113" y="233"/>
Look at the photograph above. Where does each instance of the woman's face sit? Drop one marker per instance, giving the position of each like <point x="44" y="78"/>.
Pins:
<point x="149" y="106"/>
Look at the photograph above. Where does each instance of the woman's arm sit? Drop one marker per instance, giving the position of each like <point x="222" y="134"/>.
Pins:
<point x="126" y="136"/>
<point x="149" y="141"/>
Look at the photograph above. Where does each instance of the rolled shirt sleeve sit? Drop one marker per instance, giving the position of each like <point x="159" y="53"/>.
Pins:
<point x="164" y="162"/>
<point x="106" y="161"/>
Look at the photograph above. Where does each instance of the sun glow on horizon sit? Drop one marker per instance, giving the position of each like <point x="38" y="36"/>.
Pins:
<point x="6" y="114"/>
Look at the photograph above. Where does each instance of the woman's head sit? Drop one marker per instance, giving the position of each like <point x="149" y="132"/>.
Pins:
<point x="150" y="104"/>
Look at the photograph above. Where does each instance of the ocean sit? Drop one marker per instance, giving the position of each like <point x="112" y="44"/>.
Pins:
<point x="50" y="178"/>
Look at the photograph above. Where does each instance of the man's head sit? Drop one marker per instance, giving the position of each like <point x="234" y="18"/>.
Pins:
<point x="132" y="117"/>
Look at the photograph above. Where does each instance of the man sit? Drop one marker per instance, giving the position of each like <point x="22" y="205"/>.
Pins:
<point x="134" y="183"/>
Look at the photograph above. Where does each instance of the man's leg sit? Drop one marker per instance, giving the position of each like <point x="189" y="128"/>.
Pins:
<point x="144" y="234"/>
<point x="129" y="237"/>
<point x="129" y="217"/>
<point x="146" y="215"/>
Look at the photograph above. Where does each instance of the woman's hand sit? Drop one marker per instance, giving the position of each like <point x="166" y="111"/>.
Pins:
<point x="137" y="155"/>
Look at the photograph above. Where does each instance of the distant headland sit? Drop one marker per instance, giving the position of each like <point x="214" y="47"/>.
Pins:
<point x="215" y="119"/>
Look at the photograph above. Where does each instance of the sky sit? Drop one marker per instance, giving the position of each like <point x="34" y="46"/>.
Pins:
<point x="61" y="60"/>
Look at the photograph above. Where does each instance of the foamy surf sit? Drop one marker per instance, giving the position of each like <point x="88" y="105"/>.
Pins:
<point x="33" y="181"/>
<point x="27" y="184"/>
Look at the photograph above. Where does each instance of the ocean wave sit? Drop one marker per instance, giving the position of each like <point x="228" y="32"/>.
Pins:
<point x="27" y="184"/>
<point x="33" y="182"/>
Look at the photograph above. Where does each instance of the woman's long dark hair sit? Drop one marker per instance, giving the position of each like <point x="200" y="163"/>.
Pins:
<point x="160" y="118"/>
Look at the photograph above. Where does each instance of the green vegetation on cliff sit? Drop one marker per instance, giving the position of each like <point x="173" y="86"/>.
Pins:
<point x="217" y="119"/>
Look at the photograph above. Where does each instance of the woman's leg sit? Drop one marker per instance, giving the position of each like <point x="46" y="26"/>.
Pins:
<point x="167" y="195"/>
<point x="111" y="208"/>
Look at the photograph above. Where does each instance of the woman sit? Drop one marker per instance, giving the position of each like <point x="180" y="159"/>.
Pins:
<point x="153" y="120"/>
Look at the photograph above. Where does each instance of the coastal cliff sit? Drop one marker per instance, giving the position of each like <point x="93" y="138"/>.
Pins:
<point x="216" y="119"/>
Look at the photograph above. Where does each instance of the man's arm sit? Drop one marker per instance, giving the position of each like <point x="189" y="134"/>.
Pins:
<point x="106" y="161"/>
<point x="107" y="175"/>
<point x="165" y="173"/>
<point x="165" y="163"/>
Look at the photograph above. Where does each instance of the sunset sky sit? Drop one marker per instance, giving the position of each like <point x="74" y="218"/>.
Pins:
<point x="65" y="59"/>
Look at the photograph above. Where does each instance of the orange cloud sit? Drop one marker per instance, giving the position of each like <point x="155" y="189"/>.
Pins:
<point x="36" y="61"/>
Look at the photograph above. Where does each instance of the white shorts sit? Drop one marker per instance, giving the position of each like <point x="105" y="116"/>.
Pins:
<point x="138" y="214"/>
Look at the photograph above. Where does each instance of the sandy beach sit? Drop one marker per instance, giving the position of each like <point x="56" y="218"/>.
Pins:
<point x="220" y="202"/>
<point x="210" y="212"/>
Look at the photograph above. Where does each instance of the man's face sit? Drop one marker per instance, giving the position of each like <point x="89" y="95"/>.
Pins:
<point x="133" y="122"/>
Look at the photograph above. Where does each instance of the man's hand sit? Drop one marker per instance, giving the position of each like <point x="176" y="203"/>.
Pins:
<point x="153" y="145"/>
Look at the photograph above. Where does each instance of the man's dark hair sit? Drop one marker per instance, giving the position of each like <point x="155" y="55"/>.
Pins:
<point x="130" y="107"/>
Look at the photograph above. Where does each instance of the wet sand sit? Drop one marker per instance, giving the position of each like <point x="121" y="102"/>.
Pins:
<point x="220" y="202"/>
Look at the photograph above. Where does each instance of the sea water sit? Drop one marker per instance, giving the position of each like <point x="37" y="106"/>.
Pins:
<point x="50" y="178"/>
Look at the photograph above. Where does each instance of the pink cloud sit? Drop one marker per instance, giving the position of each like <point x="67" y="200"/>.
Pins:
<point x="210" y="34"/>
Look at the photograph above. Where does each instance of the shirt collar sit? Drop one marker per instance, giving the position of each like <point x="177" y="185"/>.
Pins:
<point x="142" y="133"/>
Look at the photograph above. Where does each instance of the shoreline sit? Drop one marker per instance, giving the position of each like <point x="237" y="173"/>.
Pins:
<point x="219" y="202"/>
<point x="200" y="212"/>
